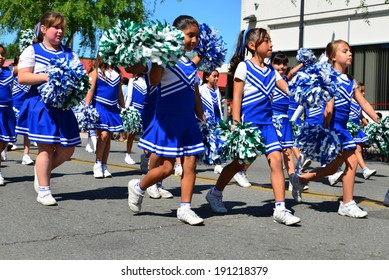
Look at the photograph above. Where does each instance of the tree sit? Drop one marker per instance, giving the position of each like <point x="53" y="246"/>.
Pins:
<point x="86" y="17"/>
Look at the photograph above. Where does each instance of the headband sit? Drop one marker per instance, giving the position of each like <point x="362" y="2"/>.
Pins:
<point x="38" y="29"/>
<point x="242" y="46"/>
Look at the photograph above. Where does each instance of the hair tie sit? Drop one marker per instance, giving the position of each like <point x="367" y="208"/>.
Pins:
<point x="242" y="46"/>
<point x="38" y="29"/>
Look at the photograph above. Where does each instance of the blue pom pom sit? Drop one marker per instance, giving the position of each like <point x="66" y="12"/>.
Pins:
<point x="315" y="84"/>
<point x="318" y="143"/>
<point x="87" y="118"/>
<point x="213" y="144"/>
<point x="68" y="83"/>
<point x="211" y="48"/>
<point x="306" y="56"/>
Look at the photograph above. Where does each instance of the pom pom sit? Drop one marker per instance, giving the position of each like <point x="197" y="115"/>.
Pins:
<point x="318" y="143"/>
<point x="306" y="56"/>
<point x="68" y="83"/>
<point x="277" y="122"/>
<point x="132" y="121"/>
<point x="315" y="84"/>
<point x="161" y="44"/>
<point x="211" y="48"/>
<point x="353" y="128"/>
<point x="129" y="43"/>
<point x="242" y="142"/>
<point x="378" y="135"/>
<point x="213" y="144"/>
<point x="26" y="39"/>
<point x="87" y="118"/>
<point x="117" y="45"/>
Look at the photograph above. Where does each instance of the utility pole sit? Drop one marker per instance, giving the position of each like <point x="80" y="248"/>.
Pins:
<point x="301" y="27"/>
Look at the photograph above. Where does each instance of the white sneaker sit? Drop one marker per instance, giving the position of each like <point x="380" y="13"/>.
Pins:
<point x="306" y="164"/>
<point x="26" y="160"/>
<point x="106" y="173"/>
<point x="386" y="199"/>
<point x="178" y="169"/>
<point x="351" y="209"/>
<point x="98" y="171"/>
<point x="218" y="169"/>
<point x="46" y="199"/>
<point x="2" y="181"/>
<point x="297" y="187"/>
<point x="241" y="179"/>
<point x="89" y="148"/>
<point x="14" y="147"/>
<point x="216" y="202"/>
<point x="134" y="197"/>
<point x="164" y="193"/>
<point x="144" y="163"/>
<point x="4" y="155"/>
<point x="335" y="178"/>
<point x="153" y="191"/>
<point x="128" y="159"/>
<point x="368" y="173"/>
<point x="284" y="216"/>
<point x="187" y="215"/>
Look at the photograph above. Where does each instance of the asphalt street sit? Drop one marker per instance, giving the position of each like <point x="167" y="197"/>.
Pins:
<point x="93" y="222"/>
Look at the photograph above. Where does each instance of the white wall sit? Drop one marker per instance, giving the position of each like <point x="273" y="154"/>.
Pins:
<point x="323" y="22"/>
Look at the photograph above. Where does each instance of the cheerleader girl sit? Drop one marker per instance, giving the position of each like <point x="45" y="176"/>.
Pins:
<point x="7" y="115"/>
<point x="211" y="98"/>
<point x="105" y="94"/>
<point x="53" y="129"/>
<point x="336" y="116"/>
<point x="19" y="93"/>
<point x="174" y="131"/>
<point x="142" y="96"/>
<point x="254" y="82"/>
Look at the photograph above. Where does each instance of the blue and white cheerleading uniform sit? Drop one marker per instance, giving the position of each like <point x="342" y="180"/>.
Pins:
<point x="342" y="110"/>
<point x="42" y="122"/>
<point x="174" y="132"/>
<point x="211" y="99"/>
<point x="315" y="115"/>
<point x="257" y="98"/>
<point x="280" y="106"/>
<point x="7" y="115"/>
<point x="105" y="100"/>
<point x="143" y="99"/>
<point x="355" y="116"/>
<point x="19" y="93"/>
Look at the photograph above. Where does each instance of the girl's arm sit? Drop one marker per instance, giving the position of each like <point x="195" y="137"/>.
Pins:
<point x="91" y="91"/>
<point x="237" y="100"/>
<point x="121" y="97"/>
<point x="328" y="113"/>
<point x="197" y="59"/>
<point x="199" y="110"/>
<point x="27" y="77"/>
<point x="365" y="105"/>
<point x="156" y="73"/>
<point x="294" y="70"/>
<point x="282" y="85"/>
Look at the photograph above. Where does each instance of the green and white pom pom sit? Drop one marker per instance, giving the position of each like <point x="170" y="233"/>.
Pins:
<point x="160" y="43"/>
<point x="132" y="121"/>
<point x="129" y="43"/>
<point x="353" y="128"/>
<point x="243" y="142"/>
<point x="378" y="135"/>
<point x="118" y="44"/>
<point x="26" y="39"/>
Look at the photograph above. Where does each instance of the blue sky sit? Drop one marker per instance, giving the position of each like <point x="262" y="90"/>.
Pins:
<point x="221" y="14"/>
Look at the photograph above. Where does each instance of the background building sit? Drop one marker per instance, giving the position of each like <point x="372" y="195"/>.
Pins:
<point x="366" y="29"/>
